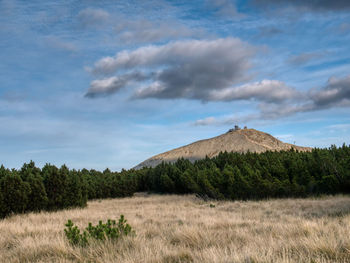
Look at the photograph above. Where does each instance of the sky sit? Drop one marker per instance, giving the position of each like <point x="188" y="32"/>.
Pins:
<point x="108" y="84"/>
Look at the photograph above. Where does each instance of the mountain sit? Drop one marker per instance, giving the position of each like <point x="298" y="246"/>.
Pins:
<point x="235" y="140"/>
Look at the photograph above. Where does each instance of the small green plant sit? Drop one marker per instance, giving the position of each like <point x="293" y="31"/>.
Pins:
<point x="73" y="234"/>
<point x="110" y="230"/>
<point x="212" y="205"/>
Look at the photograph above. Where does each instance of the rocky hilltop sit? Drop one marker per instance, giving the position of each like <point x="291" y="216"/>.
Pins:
<point x="235" y="140"/>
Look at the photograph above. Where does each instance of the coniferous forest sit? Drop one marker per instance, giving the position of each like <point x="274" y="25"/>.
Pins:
<point x="232" y="176"/>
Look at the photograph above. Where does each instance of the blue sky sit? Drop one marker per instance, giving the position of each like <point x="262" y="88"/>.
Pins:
<point x="100" y="84"/>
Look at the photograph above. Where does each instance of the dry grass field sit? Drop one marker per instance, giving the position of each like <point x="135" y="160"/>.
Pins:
<point x="173" y="228"/>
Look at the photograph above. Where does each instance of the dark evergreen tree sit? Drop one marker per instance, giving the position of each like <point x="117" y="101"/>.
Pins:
<point x="228" y="175"/>
<point x="15" y="194"/>
<point x="55" y="181"/>
<point x="187" y="182"/>
<point x="166" y="184"/>
<point x="74" y="194"/>
<point x="37" y="198"/>
<point x="329" y="184"/>
<point x="4" y="171"/>
<point x="3" y="212"/>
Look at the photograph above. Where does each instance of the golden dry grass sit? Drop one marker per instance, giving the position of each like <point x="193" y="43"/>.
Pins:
<point x="173" y="228"/>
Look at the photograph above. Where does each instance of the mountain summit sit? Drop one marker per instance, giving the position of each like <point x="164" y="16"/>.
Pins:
<point x="235" y="140"/>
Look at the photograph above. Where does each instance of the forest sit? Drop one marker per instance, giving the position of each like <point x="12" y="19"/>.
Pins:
<point x="231" y="176"/>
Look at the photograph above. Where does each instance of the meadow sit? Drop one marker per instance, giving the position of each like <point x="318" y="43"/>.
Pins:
<point x="184" y="228"/>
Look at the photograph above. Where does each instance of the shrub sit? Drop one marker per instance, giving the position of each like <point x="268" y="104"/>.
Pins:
<point x="110" y="230"/>
<point x="73" y="234"/>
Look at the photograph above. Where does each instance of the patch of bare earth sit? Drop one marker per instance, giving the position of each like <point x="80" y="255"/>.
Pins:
<point x="172" y="228"/>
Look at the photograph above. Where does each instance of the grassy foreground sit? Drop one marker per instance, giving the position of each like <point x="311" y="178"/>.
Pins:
<point x="172" y="228"/>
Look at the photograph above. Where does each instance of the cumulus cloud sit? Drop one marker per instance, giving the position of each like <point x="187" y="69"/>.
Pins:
<point x="150" y="91"/>
<point x="266" y="111"/>
<point x="211" y="70"/>
<point x="106" y="86"/>
<point x="91" y="16"/>
<point x="312" y="5"/>
<point x="184" y="69"/>
<point x="335" y="94"/>
<point x="266" y="90"/>
<point x="270" y="111"/>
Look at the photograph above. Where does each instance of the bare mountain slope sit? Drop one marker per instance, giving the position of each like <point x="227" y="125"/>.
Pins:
<point x="233" y="141"/>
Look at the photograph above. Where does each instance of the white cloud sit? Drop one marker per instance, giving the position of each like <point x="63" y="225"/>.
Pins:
<point x="113" y="84"/>
<point x="184" y="69"/>
<point x="336" y="93"/>
<point x="226" y="120"/>
<point x="265" y="90"/>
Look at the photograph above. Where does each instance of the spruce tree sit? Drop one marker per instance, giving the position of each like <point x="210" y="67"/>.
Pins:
<point x="166" y="184"/>
<point x="37" y="199"/>
<point x="2" y="205"/>
<point x="15" y="194"/>
<point x="55" y="182"/>
<point x="74" y="192"/>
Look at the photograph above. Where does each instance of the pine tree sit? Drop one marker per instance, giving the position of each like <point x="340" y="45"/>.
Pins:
<point x="74" y="192"/>
<point x="206" y="189"/>
<point x="37" y="199"/>
<point x="55" y="182"/>
<point x="2" y="205"/>
<point x="240" y="187"/>
<point x="229" y="181"/>
<point x="166" y="184"/>
<point x="187" y="182"/>
<point x="14" y="193"/>
<point x="3" y="171"/>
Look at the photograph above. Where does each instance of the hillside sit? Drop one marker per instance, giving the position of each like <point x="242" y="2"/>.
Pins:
<point x="242" y="141"/>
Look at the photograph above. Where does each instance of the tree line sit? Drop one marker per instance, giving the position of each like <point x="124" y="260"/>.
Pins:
<point x="50" y="188"/>
<point x="255" y="176"/>
<point x="227" y="176"/>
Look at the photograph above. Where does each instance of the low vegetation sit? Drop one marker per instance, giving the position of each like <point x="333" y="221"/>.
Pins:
<point x="108" y="231"/>
<point x="173" y="228"/>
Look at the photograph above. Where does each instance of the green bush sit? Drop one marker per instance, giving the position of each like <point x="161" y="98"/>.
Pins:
<point x="111" y="230"/>
<point x="73" y="234"/>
